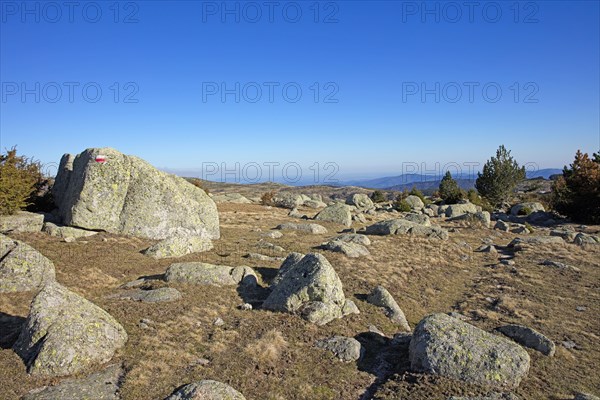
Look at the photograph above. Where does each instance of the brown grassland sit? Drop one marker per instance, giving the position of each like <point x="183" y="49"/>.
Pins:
<point x="268" y="355"/>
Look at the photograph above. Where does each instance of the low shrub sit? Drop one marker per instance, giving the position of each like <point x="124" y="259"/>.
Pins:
<point x="267" y="198"/>
<point x="19" y="179"/>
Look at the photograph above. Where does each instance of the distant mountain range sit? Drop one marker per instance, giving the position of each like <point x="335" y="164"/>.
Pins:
<point x="427" y="183"/>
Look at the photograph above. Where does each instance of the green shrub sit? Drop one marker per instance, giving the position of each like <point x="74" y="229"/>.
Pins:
<point x="525" y="211"/>
<point x="19" y="177"/>
<point x="401" y="204"/>
<point x="499" y="177"/>
<point x="449" y="190"/>
<point x="378" y="197"/>
<point x="476" y="199"/>
<point x="576" y="193"/>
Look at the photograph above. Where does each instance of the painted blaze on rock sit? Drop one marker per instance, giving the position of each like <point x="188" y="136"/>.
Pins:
<point x="126" y="195"/>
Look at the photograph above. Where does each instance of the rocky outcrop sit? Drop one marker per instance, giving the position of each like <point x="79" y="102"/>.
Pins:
<point x="449" y="347"/>
<point x="360" y="200"/>
<point x="415" y="202"/>
<point x="308" y="286"/>
<point x="65" y="333"/>
<point x="349" y="249"/>
<point x="22" y="268"/>
<point x="103" y="189"/>
<point x="454" y="210"/>
<point x="527" y="208"/>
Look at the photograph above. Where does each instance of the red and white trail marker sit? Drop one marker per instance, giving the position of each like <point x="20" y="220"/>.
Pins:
<point x="100" y="158"/>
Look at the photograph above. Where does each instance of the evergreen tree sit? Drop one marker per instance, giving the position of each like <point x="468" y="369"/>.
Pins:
<point x="500" y="176"/>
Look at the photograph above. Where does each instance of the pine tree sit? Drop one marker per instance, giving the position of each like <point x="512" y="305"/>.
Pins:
<point x="449" y="190"/>
<point x="500" y="176"/>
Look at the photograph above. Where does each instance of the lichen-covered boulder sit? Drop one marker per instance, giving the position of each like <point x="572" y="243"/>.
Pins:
<point x="200" y="273"/>
<point x="22" y="268"/>
<point x="415" y="202"/>
<point x="338" y="213"/>
<point x="420" y="219"/>
<point x="308" y="286"/>
<point x="103" y="189"/>
<point x="65" y="333"/>
<point x="206" y="390"/>
<point x="354" y="238"/>
<point x="360" y="200"/>
<point x="449" y="347"/>
<point x="160" y="295"/>
<point x="22" y="221"/>
<point x="178" y="246"/>
<point x="231" y="198"/>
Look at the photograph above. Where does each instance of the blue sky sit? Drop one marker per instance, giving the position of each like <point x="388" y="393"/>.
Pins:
<point x="369" y="60"/>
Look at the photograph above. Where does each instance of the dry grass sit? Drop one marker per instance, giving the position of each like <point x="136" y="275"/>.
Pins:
<point x="269" y="355"/>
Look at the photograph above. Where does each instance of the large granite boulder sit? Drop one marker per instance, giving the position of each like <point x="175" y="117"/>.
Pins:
<point x="288" y="200"/>
<point x="338" y="213"/>
<point x="22" y="268"/>
<point x="380" y="297"/>
<point x="22" y="221"/>
<point x="454" y="210"/>
<point x="103" y="189"/>
<point x="415" y="202"/>
<point x="527" y="208"/>
<point x="449" y="347"/>
<point x="206" y="390"/>
<point x="65" y="333"/>
<point x="307" y="285"/>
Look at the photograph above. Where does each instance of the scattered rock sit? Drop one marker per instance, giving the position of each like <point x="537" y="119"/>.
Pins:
<point x="559" y="265"/>
<point x="349" y="308"/>
<point x="415" y="202"/>
<point x="231" y="198"/>
<point x="206" y="390"/>
<point x="338" y="213"/>
<point x="178" y="246"/>
<point x="314" y="204"/>
<point x="296" y="214"/>
<point x="583" y="239"/>
<point x="446" y="346"/>
<point x="287" y="200"/>
<point x="66" y="231"/>
<point x="519" y="244"/>
<point x="349" y="249"/>
<point x="103" y="385"/>
<point x="530" y="207"/>
<point x="580" y="308"/>
<point x="344" y="348"/>
<point x="262" y="257"/>
<point x="506" y="261"/>
<point x="272" y="234"/>
<point x="308" y="286"/>
<point x="359" y="218"/>
<point x="65" y="333"/>
<point x="380" y="297"/>
<point x="164" y="294"/>
<point x="567" y="235"/>
<point x="529" y="337"/>
<point x="585" y="396"/>
<point x="360" y="200"/>
<point x="22" y="268"/>
<point x="402" y="226"/>
<point x="200" y="273"/>
<point x="354" y="238"/>
<point x="126" y="195"/>
<point x="22" y="221"/>
<point x="490" y="248"/>
<point x="569" y="344"/>
<point x="218" y="322"/>
<point x="502" y="226"/>
<point x="454" y="210"/>
<point x="420" y="219"/>
<point x="245" y="307"/>
<point x="314" y="229"/>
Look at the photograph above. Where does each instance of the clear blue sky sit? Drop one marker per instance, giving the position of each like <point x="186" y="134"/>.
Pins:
<point x="373" y="55"/>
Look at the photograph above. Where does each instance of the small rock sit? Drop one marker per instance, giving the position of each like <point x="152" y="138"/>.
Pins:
<point x="218" y="322"/>
<point x="206" y="390"/>
<point x="69" y="239"/>
<point x="507" y="262"/>
<point x="581" y="308"/>
<point x="382" y="298"/>
<point x="559" y="265"/>
<point x="529" y="337"/>
<point x="245" y="307"/>
<point x="344" y="348"/>
<point x="569" y="344"/>
<point x="585" y="396"/>
<point x="272" y="234"/>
